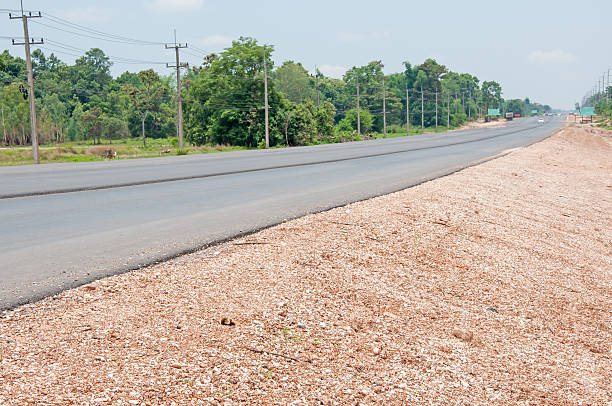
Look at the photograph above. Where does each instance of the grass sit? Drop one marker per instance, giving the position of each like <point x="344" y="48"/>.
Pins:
<point x="131" y="148"/>
<point x="87" y="152"/>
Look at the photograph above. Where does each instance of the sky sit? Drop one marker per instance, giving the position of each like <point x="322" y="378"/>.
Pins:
<point x="550" y="51"/>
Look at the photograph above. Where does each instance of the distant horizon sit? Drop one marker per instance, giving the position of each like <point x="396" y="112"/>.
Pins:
<point x="522" y="58"/>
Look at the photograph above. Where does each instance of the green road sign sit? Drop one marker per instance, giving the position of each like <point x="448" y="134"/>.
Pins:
<point x="494" y="112"/>
<point x="587" y="111"/>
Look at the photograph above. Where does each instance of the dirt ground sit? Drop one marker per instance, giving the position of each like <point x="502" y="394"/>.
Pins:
<point x="489" y="286"/>
<point x="482" y="124"/>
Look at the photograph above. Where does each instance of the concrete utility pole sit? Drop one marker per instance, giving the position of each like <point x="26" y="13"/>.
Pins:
<point x="470" y="106"/>
<point x="27" y="42"/>
<point x="179" y="100"/>
<point x="422" y="110"/>
<point x="407" y="111"/>
<point x="436" y="110"/>
<point x="455" y="101"/>
<point x="384" y="109"/>
<point x="358" y="111"/>
<point x="266" y="99"/>
<point x="317" y="85"/>
<point x="608" y="87"/>
<point x="448" y="111"/>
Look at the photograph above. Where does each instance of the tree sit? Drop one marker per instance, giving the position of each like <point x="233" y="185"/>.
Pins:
<point x="295" y="82"/>
<point x="113" y="126"/>
<point x="299" y="123"/>
<point x="146" y="97"/>
<point x="92" y="121"/>
<point x="491" y="94"/>
<point x="56" y="111"/>
<point x="15" y="116"/>
<point x="324" y="117"/>
<point x="224" y="104"/>
<point x="90" y="75"/>
<point x="349" y="122"/>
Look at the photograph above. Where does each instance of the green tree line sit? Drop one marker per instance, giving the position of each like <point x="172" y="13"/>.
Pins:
<point x="223" y="100"/>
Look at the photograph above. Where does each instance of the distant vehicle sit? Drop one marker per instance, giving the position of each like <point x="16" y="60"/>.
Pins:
<point x="540" y="121"/>
<point x="509" y="116"/>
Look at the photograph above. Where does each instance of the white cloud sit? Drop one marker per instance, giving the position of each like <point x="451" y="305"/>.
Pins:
<point x="175" y="5"/>
<point x="90" y="14"/>
<point x="215" y="41"/>
<point x="554" y="56"/>
<point x="333" y="71"/>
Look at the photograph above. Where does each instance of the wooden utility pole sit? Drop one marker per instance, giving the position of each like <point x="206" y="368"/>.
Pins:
<point x="407" y="111"/>
<point x="384" y="109"/>
<point x="422" y="110"/>
<point x="436" y="110"/>
<point x="179" y="100"/>
<point x="358" y="111"/>
<point x="266" y="100"/>
<point x="27" y="42"/>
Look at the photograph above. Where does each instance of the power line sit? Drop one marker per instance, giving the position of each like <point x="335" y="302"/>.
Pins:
<point x="118" y="59"/>
<point x="64" y="22"/>
<point x="89" y="36"/>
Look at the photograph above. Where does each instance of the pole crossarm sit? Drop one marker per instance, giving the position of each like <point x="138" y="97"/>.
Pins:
<point x="181" y="65"/>
<point x="23" y="15"/>
<point x="32" y="42"/>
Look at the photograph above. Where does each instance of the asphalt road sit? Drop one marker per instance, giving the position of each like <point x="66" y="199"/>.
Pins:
<point x="63" y="225"/>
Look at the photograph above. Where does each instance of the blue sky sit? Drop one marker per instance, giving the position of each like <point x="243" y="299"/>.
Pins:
<point x="550" y="51"/>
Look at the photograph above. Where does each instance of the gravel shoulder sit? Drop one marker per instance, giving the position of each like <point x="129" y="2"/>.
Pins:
<point x="489" y="286"/>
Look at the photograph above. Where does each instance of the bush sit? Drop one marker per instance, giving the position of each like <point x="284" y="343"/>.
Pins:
<point x="395" y="129"/>
<point x="174" y="142"/>
<point x="182" y="152"/>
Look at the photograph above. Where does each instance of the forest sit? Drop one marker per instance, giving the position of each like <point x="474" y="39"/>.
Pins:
<point x="223" y="100"/>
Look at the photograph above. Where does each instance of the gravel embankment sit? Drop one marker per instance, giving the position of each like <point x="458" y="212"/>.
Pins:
<point x="489" y="286"/>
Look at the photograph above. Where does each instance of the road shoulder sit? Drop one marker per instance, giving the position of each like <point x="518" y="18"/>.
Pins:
<point x="491" y="285"/>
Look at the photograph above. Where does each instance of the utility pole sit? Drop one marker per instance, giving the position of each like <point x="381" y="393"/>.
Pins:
<point x="470" y="106"/>
<point x="317" y="85"/>
<point x="179" y="100"/>
<point x="358" y="111"/>
<point x="266" y="99"/>
<point x="407" y="111"/>
<point x="436" y="110"/>
<point x="422" y="111"/>
<point x="608" y="87"/>
<point x="448" y="112"/>
<point x="27" y="42"/>
<point x="384" y="109"/>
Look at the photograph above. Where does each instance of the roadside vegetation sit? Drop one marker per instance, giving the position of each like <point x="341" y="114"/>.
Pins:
<point x="85" y="114"/>
<point x="602" y="102"/>
<point x="604" y="109"/>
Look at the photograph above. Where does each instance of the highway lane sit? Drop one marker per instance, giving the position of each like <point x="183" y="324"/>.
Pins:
<point x="18" y="181"/>
<point x="51" y="242"/>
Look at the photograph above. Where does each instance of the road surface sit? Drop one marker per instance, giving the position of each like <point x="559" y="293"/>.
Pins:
<point x="63" y="225"/>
